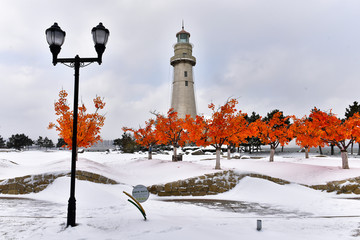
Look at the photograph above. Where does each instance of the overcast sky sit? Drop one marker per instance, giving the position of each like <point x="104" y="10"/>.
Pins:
<point x="289" y="55"/>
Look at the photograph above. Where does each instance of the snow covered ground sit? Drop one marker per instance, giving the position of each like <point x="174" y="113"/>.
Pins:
<point x="103" y="212"/>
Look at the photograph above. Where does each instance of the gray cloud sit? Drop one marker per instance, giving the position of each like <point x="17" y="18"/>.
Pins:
<point x="290" y="55"/>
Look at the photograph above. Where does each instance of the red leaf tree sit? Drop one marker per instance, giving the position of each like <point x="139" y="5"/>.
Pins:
<point x="169" y="130"/>
<point x="337" y="132"/>
<point x="307" y="134"/>
<point x="89" y="124"/>
<point x="274" y="130"/>
<point x="145" y="136"/>
<point x="225" y="125"/>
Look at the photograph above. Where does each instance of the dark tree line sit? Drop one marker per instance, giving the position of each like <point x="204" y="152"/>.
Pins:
<point x="44" y="143"/>
<point x="21" y="141"/>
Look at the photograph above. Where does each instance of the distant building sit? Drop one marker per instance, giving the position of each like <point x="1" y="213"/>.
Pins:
<point x="102" y="146"/>
<point x="183" y="95"/>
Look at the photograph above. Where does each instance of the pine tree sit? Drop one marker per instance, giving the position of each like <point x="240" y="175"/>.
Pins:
<point x="61" y="143"/>
<point x="355" y="108"/>
<point x="40" y="142"/>
<point x="2" y="142"/>
<point x="117" y="142"/>
<point x="349" y="112"/>
<point x="19" y="141"/>
<point x="48" y="143"/>
<point x="127" y="143"/>
<point x="252" y="142"/>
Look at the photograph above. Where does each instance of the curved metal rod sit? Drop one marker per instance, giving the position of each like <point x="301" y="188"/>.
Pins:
<point x="82" y="64"/>
<point x="135" y="201"/>
<point x="144" y="215"/>
<point x="72" y="64"/>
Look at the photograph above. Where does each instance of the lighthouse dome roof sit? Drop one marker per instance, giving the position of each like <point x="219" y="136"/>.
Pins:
<point x="182" y="31"/>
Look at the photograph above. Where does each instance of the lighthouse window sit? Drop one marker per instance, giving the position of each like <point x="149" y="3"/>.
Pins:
<point x="185" y="74"/>
<point x="186" y="83"/>
<point x="183" y="38"/>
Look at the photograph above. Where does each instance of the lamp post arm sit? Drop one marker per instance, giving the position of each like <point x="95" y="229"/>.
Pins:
<point x="77" y="58"/>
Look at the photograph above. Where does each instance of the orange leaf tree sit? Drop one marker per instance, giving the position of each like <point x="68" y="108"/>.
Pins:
<point x="169" y="130"/>
<point x="274" y="130"/>
<point x="337" y="132"/>
<point x="226" y="125"/>
<point x="89" y="125"/>
<point x="145" y="136"/>
<point x="307" y="134"/>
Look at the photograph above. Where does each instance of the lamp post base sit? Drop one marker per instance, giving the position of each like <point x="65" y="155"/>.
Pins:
<point x="71" y="212"/>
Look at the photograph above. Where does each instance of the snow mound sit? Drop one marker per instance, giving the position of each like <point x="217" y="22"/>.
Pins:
<point x="4" y="163"/>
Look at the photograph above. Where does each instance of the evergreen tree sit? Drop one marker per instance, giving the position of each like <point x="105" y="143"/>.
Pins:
<point x="286" y="123"/>
<point x="127" y="143"/>
<point x="355" y="108"/>
<point x="48" y="143"/>
<point x="252" y="142"/>
<point x="271" y="114"/>
<point x="40" y="142"/>
<point x="61" y="143"/>
<point x="19" y="141"/>
<point x="2" y="142"/>
<point x="349" y="112"/>
<point x="117" y="142"/>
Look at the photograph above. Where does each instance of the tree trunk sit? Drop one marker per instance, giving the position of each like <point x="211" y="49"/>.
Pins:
<point x="306" y="152"/>
<point x="150" y="153"/>
<point x="320" y="150"/>
<point x="175" y="155"/>
<point x="282" y="148"/>
<point x="217" y="165"/>
<point x="228" y="153"/>
<point x="344" y="158"/>
<point x="272" y="153"/>
<point x="352" y="148"/>
<point x="332" y="149"/>
<point x="359" y="149"/>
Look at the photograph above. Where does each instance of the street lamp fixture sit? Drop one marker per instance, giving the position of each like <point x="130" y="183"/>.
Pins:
<point x="55" y="38"/>
<point x="100" y="38"/>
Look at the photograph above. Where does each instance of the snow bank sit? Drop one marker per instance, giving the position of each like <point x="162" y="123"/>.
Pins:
<point x="103" y="211"/>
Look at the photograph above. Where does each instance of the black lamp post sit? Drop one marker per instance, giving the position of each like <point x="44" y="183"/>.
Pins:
<point x="55" y="37"/>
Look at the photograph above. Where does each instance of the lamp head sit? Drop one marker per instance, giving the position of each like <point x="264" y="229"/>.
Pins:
<point x="100" y="38"/>
<point x="55" y="38"/>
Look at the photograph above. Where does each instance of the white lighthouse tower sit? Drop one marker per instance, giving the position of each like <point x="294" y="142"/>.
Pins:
<point x="183" y="96"/>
